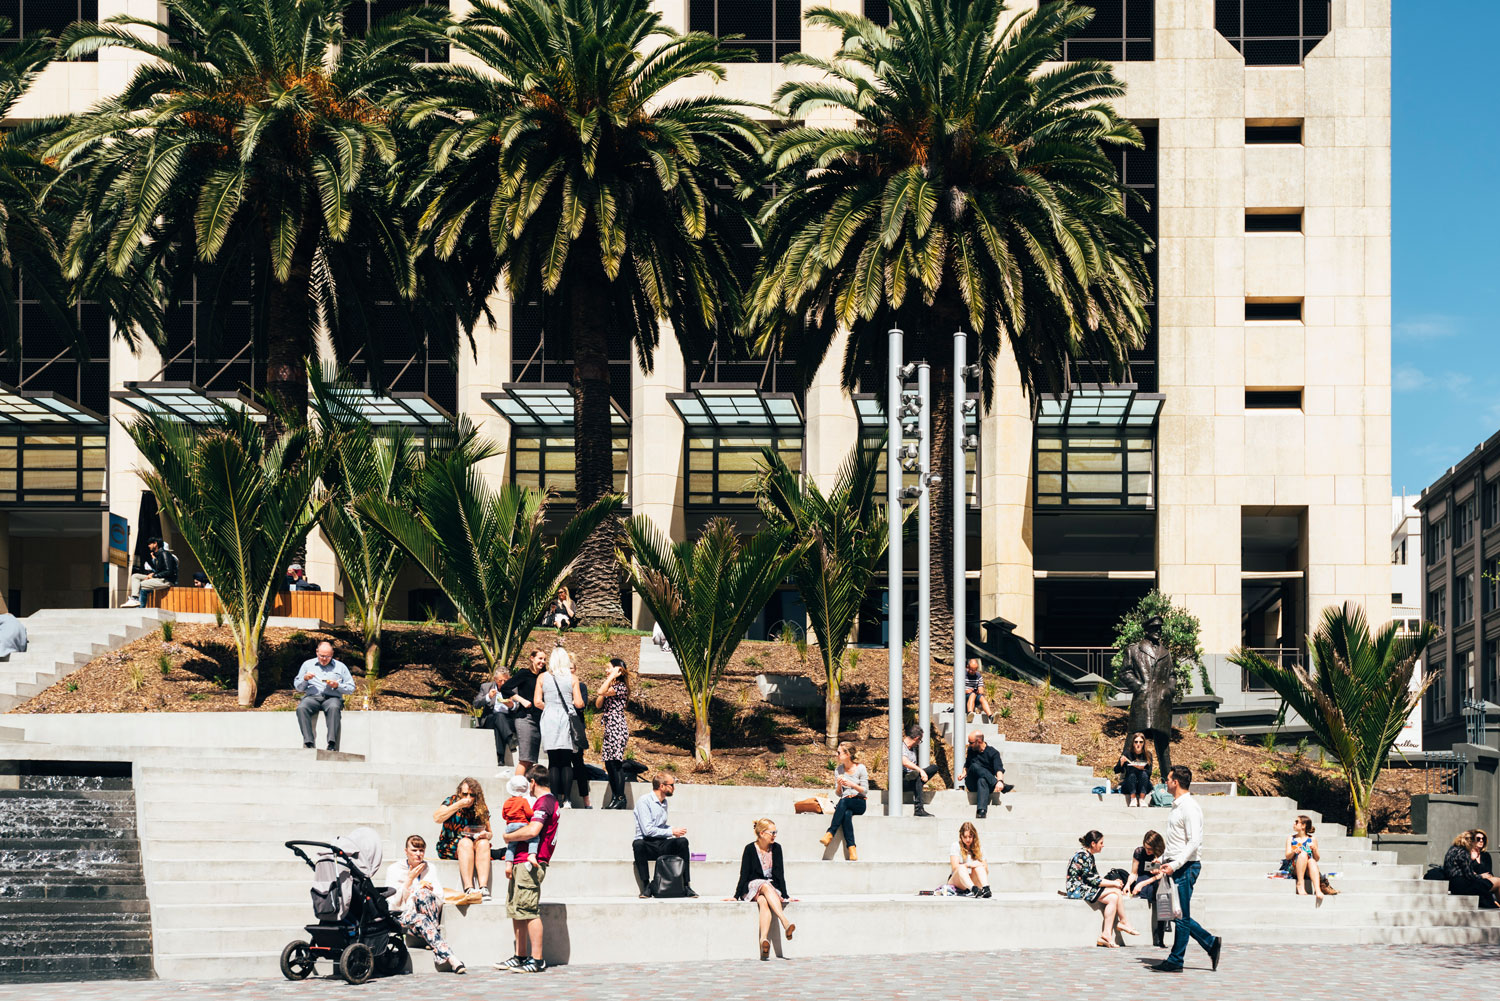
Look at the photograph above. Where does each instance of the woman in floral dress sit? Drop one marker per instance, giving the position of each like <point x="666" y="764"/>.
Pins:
<point x="1084" y="884"/>
<point x="612" y="697"/>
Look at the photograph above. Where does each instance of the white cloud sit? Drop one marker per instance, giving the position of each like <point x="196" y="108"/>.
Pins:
<point x="1409" y="379"/>
<point x="1428" y="326"/>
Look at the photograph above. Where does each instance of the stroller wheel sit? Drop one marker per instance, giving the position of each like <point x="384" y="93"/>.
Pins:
<point x="296" y="960"/>
<point x="356" y="963"/>
<point x="393" y="960"/>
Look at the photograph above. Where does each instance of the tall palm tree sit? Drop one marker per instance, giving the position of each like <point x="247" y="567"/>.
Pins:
<point x="256" y="144"/>
<point x="31" y="230"/>
<point x="241" y="504"/>
<point x="846" y="534"/>
<point x="363" y="461"/>
<point x="603" y="195"/>
<point x="971" y="191"/>
<point x="704" y="595"/>
<point x="488" y="550"/>
<point x="1356" y="696"/>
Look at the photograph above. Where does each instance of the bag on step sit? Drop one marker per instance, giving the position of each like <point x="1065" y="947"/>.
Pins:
<point x="666" y="878"/>
<point x="1160" y="796"/>
<point x="808" y="805"/>
<point x="1168" y="907"/>
<point x="1119" y="874"/>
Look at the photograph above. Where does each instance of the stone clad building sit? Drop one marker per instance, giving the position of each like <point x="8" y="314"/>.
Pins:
<point x="1244" y="469"/>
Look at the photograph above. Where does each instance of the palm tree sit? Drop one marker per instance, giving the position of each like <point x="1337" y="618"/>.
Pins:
<point x="704" y="595"/>
<point x="31" y="230"/>
<point x="603" y="195"/>
<point x="1357" y="695"/>
<point x="488" y="550"/>
<point x="241" y="504"/>
<point x="363" y="462"/>
<point x="255" y="144"/>
<point x="972" y="191"/>
<point x="847" y="536"/>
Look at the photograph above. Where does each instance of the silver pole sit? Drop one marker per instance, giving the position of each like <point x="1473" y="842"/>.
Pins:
<point x="893" y="572"/>
<point x="960" y="538"/>
<point x="924" y="560"/>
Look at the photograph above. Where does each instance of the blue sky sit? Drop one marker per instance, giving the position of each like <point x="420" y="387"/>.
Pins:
<point x="1445" y="374"/>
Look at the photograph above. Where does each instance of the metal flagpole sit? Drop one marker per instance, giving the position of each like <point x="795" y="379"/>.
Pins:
<point x="924" y="569"/>
<point x="960" y="538"/>
<point x="893" y="572"/>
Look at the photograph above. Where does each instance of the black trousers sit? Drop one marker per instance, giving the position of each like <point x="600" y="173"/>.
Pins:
<point x="1135" y="782"/>
<point x="651" y="849"/>
<point x="1473" y="886"/>
<point x="616" y="770"/>
<point x="912" y="782"/>
<point x="983" y="782"/>
<point x="566" y="767"/>
<point x="504" y="733"/>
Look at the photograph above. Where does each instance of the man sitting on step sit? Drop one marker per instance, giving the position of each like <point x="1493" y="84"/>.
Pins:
<point x="324" y="682"/>
<point x="158" y="571"/>
<point x="655" y="837"/>
<point x="983" y="772"/>
<point x="913" y="775"/>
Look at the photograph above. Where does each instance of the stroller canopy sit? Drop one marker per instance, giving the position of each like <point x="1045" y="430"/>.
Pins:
<point x="332" y="889"/>
<point x="364" y="845"/>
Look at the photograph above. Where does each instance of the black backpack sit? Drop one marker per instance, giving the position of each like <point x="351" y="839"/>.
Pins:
<point x="667" y="879"/>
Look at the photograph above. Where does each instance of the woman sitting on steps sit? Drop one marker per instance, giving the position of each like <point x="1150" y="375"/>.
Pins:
<point x="1084" y="884"/>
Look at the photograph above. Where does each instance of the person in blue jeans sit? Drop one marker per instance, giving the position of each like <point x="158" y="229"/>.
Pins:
<point x="1180" y="860"/>
<point x="851" y="788"/>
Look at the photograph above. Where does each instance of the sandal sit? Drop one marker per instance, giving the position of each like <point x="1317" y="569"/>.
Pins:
<point x="765" y="949"/>
<point x="1104" y="943"/>
<point x="1127" y="930"/>
<point x="789" y="930"/>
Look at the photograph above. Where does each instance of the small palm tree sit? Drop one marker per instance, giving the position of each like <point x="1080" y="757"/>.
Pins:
<point x="31" y="230"/>
<point x="1356" y="696"/>
<point x="704" y="595"/>
<point x="971" y="191"/>
<point x="846" y="534"/>
<point x="257" y="149"/>
<point x="488" y="550"/>
<point x="363" y="462"/>
<point x="604" y="194"/>
<point x="242" y="504"/>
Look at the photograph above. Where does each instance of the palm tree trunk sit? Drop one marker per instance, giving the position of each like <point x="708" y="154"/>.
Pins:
<point x="289" y="334"/>
<point x="596" y="575"/>
<point x="249" y="687"/>
<point x="833" y="704"/>
<point x="372" y="656"/>
<point x="703" y="751"/>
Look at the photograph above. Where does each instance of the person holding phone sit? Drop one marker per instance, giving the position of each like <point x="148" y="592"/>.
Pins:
<point x="418" y="901"/>
<point x="466" y="837"/>
<point x="612" y="697"/>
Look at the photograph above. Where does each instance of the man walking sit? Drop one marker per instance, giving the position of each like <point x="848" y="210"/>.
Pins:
<point x="324" y="682"/>
<point x="524" y="898"/>
<point x="1180" y="860"/>
<point x="654" y="837"/>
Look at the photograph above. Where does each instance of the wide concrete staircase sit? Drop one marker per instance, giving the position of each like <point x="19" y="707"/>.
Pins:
<point x="61" y="640"/>
<point x="226" y="896"/>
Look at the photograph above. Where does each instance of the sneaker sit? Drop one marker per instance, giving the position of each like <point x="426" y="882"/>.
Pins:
<point x="132" y="603"/>
<point x="484" y="894"/>
<point x="474" y="897"/>
<point x="531" y="966"/>
<point x="510" y="964"/>
<point x="332" y="746"/>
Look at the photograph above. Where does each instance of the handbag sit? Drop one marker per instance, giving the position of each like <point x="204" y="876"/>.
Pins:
<point x="666" y="878"/>
<point x="575" y="720"/>
<point x="808" y="805"/>
<point x="1168" y="907"/>
<point x="1119" y="874"/>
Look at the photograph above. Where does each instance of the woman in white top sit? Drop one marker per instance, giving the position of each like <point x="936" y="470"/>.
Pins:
<point x="418" y="900"/>
<point x="968" y="869"/>
<point x="559" y="697"/>
<point x="851" y="787"/>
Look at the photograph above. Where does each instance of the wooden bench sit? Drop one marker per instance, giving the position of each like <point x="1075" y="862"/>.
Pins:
<point x="325" y="606"/>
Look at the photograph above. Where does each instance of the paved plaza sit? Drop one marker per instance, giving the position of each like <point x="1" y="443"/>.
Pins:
<point x="1311" y="973"/>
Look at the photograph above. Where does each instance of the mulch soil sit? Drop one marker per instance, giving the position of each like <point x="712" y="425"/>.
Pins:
<point x="433" y="668"/>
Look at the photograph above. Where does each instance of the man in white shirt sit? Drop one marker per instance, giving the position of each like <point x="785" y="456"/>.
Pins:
<point x="1180" y="859"/>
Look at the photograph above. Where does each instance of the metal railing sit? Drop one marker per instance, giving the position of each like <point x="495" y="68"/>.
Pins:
<point x="1445" y="773"/>
<point x="1282" y="656"/>
<point x="1076" y="661"/>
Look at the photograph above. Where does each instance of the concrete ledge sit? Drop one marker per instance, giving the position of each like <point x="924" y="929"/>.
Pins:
<point x="789" y="691"/>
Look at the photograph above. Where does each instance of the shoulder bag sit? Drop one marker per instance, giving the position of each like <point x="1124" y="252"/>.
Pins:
<point x="575" y="719"/>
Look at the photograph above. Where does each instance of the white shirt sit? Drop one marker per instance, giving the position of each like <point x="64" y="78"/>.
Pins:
<point x="956" y="851"/>
<point x="1184" y="832"/>
<point x="395" y="876"/>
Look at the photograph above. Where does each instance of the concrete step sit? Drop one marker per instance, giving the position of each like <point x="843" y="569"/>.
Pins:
<point x="160" y="793"/>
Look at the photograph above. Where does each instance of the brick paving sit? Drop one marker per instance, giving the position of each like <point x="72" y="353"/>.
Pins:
<point x="1253" y="973"/>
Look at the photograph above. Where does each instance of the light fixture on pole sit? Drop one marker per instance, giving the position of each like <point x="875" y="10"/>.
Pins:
<point x="924" y="563"/>
<point x="962" y="407"/>
<point x="893" y="415"/>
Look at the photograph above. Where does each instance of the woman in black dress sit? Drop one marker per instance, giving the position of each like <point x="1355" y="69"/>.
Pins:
<point x="763" y="880"/>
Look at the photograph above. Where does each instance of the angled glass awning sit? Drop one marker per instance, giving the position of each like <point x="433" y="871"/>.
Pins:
<point x="414" y="410"/>
<point x="871" y="414"/>
<point x="1093" y="407"/>
<point x="737" y="408"/>
<point x="545" y="408"/>
<point x="185" y="401"/>
<point x="19" y="408"/>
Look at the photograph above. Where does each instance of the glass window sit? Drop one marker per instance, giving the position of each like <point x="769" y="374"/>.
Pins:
<point x="876" y="442"/>
<point x="1095" y="472"/>
<point x="1437" y="540"/>
<point x="52" y="16"/>
<point x="361" y="16"/>
<point x="1437" y="608"/>
<point x="1492" y="669"/>
<point x="1463" y="598"/>
<point x="46" y="360"/>
<point x="1463" y="523"/>
<point x="1491" y="504"/>
<point x="723" y="470"/>
<point x="1120" y="31"/>
<point x="878" y="11"/>
<point x="770" y="28"/>
<point x="540" y="355"/>
<point x="1272" y="32"/>
<point x="53" y="469"/>
<point x="550" y="463"/>
<point x="1490" y="584"/>
<point x="1137" y="169"/>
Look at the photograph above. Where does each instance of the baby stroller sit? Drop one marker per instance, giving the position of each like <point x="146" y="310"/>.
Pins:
<point x="355" y="928"/>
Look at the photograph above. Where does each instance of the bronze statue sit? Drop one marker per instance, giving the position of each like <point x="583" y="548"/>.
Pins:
<point x="1151" y="676"/>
